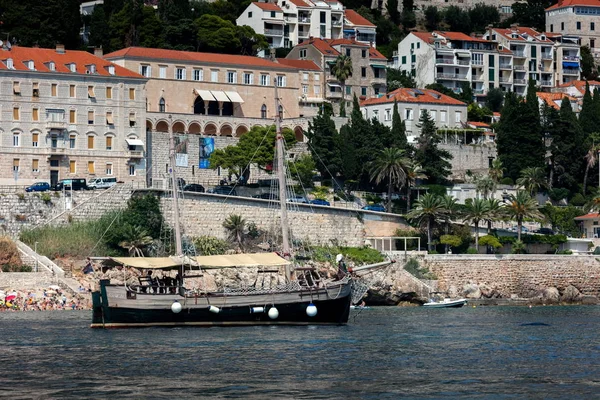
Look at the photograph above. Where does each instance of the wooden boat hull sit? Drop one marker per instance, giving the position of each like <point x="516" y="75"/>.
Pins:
<point x="113" y="309"/>
<point x="446" y="304"/>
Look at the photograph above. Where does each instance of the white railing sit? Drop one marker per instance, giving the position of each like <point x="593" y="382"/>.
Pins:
<point x="275" y="32"/>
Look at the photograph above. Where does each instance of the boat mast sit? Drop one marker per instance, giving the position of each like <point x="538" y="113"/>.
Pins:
<point x="178" y="246"/>
<point x="279" y="151"/>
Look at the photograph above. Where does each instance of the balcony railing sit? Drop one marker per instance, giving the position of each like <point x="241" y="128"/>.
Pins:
<point x="303" y="20"/>
<point x="336" y="23"/>
<point x="519" y="67"/>
<point x="518" y="53"/>
<point x="302" y="34"/>
<point x="546" y="83"/>
<point x="463" y="62"/>
<point x="547" y="56"/>
<point x="571" y="71"/>
<point x="445" y="60"/>
<point x="56" y="125"/>
<point x="478" y="78"/>
<point x="504" y="79"/>
<point x="478" y="91"/>
<point x="136" y="154"/>
<point x="274" y="32"/>
<point x="477" y="62"/>
<point x="505" y="66"/>
<point x="520" y="81"/>
<point x="570" y="58"/>
<point x="451" y="76"/>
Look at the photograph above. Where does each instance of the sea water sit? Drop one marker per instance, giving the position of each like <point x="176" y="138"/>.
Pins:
<point x="383" y="353"/>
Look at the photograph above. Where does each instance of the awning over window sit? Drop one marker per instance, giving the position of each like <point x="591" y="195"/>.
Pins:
<point x="570" y="64"/>
<point x="378" y="66"/>
<point x="463" y="54"/>
<point x="17" y="88"/>
<point x="205" y="95"/>
<point x="109" y="119"/>
<point x="132" y="117"/>
<point x="333" y="85"/>
<point x="330" y="62"/>
<point x="348" y="30"/>
<point x="234" y="97"/>
<point x="134" y="142"/>
<point x="368" y="31"/>
<point x="91" y="91"/>
<point x="219" y="95"/>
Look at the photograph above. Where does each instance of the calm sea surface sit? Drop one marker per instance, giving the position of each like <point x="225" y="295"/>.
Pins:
<point x="383" y="353"/>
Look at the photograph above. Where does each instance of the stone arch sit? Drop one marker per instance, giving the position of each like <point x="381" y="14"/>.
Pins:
<point x="194" y="128"/>
<point x="299" y="134"/>
<point x="162" y="126"/>
<point x="210" y="129"/>
<point x="178" y="127"/>
<point x="240" y="130"/>
<point x="226" y="130"/>
<point x="149" y="125"/>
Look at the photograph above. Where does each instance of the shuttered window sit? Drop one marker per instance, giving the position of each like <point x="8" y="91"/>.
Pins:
<point x="35" y="114"/>
<point x="16" y="113"/>
<point x="109" y="118"/>
<point x="72" y="168"/>
<point x="91" y="93"/>
<point x="72" y="116"/>
<point x="15" y="165"/>
<point x="71" y="90"/>
<point x="90" y="117"/>
<point x="131" y="94"/>
<point x="54" y="90"/>
<point x="108" y="92"/>
<point x="35" y="165"/>
<point x="109" y="143"/>
<point x="90" y="142"/>
<point x="34" y="139"/>
<point x="91" y="167"/>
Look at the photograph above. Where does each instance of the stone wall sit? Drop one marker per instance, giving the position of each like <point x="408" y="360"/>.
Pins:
<point x="26" y="280"/>
<point x="517" y="275"/>
<point x="469" y="157"/>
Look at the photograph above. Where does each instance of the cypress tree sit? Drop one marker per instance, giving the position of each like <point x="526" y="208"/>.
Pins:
<point x="568" y="148"/>
<point x="398" y="137"/>
<point x="588" y="118"/>
<point x="432" y="159"/>
<point x="323" y="144"/>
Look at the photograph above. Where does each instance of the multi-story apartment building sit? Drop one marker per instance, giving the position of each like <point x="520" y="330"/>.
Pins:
<point x="567" y="57"/>
<point x="368" y="68"/>
<point x="445" y="111"/>
<point x="576" y="17"/>
<point x="67" y="114"/>
<point x="310" y="77"/>
<point x="286" y="23"/>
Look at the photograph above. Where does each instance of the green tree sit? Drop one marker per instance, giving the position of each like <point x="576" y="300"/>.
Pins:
<point x="428" y="154"/>
<point x="151" y="29"/>
<point x="218" y="35"/>
<point x="591" y="158"/>
<point x="428" y="211"/>
<point x="396" y="78"/>
<point x="391" y="165"/>
<point x="414" y="173"/>
<point x="494" y="99"/>
<point x="495" y="212"/>
<point x="398" y="131"/>
<point x="531" y="13"/>
<point x="496" y="172"/>
<point x="589" y="70"/>
<point x="99" y="30"/>
<point x="409" y="19"/>
<point x="532" y="179"/>
<point x="235" y="225"/>
<point x="568" y="148"/>
<point x="323" y="144"/>
<point x="451" y="210"/>
<point x="475" y="211"/>
<point x="458" y="20"/>
<point x="303" y="170"/>
<point x="392" y="11"/>
<point x="450" y="241"/>
<point x="520" y="207"/>
<point x="342" y="70"/>
<point x="433" y="18"/>
<point x="482" y="15"/>
<point x="588" y="118"/>
<point x="478" y="113"/>
<point x="485" y="185"/>
<point x="135" y="239"/>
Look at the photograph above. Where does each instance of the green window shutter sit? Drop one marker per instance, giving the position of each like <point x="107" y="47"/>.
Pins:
<point x="491" y="61"/>
<point x="533" y="51"/>
<point x="491" y="75"/>
<point x="403" y="59"/>
<point x="413" y="58"/>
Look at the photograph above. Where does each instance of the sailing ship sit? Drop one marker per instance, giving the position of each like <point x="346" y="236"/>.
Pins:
<point x="305" y="298"/>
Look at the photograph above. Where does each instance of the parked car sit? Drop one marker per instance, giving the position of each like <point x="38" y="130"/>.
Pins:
<point x="68" y="184"/>
<point x="266" y="196"/>
<point x="101" y="183"/>
<point x="544" y="231"/>
<point x="524" y="229"/>
<point x="227" y="190"/>
<point x="297" y="199"/>
<point x="193" y="187"/>
<point x="374" y="207"/>
<point x="38" y="187"/>
<point x="319" y="202"/>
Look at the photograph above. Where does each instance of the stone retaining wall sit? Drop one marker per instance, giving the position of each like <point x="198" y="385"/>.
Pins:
<point x="520" y="275"/>
<point x="26" y="280"/>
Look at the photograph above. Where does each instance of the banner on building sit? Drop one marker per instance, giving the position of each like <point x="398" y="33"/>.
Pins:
<point x="181" y="153"/>
<point x="207" y="146"/>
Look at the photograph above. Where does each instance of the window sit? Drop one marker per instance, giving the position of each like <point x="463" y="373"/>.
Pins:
<point x="162" y="71"/>
<point x="180" y="73"/>
<point x="305" y="89"/>
<point x="161" y="105"/>
<point x="54" y="163"/>
<point x="281" y="80"/>
<point x="413" y="58"/>
<point x="34" y="139"/>
<point x="131" y="170"/>
<point x="53" y="90"/>
<point x="131" y="120"/>
<point x="109" y="118"/>
<point x="91" y="93"/>
<point x="249" y="14"/>
<point x="36" y="89"/>
<point x="35" y="114"/>
<point x="348" y="52"/>
<point x="72" y="116"/>
<point x="71" y="90"/>
<point x="131" y="94"/>
<point x="363" y="53"/>
<point x="578" y="25"/>
<point x="30" y="65"/>
<point x="562" y="26"/>
<point x="214" y="75"/>
<point x="90" y="144"/>
<point x="145" y="71"/>
<point x="348" y="89"/>
<point x="9" y="63"/>
<point x="72" y="167"/>
<point x="323" y="31"/>
<point x="231" y="77"/>
<point x="323" y="17"/>
<point x="376" y="115"/>
<point x="72" y="139"/>
<point x="388" y="114"/>
<point x="551" y="27"/>
<point x="109" y="141"/>
<point x="433" y="114"/>
<point x="263" y="111"/>
<point x="16" y="115"/>
<point x="457" y="115"/>
<point x="272" y="14"/>
<point x="35" y="165"/>
<point x="198" y="74"/>
<point x="109" y="169"/>
<point x="363" y="72"/>
<point x="363" y="91"/>
<point x="316" y="77"/>
<point x="90" y="117"/>
<point x="91" y="167"/>
<point x="403" y="59"/>
<point x="408" y="114"/>
<point x="305" y="76"/>
<point x="17" y="88"/>
<point x="73" y="67"/>
<point x="316" y="90"/>
<point x="16" y="165"/>
<point x="16" y="140"/>
<point x="265" y="80"/>
<point x="592" y="26"/>
<point x="303" y="53"/>
<point x="108" y="92"/>
<point x="111" y="69"/>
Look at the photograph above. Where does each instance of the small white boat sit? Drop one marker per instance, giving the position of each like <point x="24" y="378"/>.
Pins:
<point x="446" y="303"/>
<point x="353" y="307"/>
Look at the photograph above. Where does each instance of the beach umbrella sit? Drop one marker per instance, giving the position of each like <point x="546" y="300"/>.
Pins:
<point x="10" y="297"/>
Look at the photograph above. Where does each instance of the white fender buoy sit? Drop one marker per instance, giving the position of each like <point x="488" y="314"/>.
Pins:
<point x="273" y="313"/>
<point x="214" y="309"/>
<point x="176" y="307"/>
<point x="311" y="310"/>
<point x="256" y="310"/>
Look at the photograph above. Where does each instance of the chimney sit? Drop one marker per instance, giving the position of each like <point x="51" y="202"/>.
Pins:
<point x="490" y="27"/>
<point x="272" y="54"/>
<point x="98" y="52"/>
<point x="60" y="48"/>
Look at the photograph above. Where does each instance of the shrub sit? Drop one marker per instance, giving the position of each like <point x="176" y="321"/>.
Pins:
<point x="210" y="245"/>
<point x="578" y="200"/>
<point x="507" y="181"/>
<point x="518" y="247"/>
<point x="472" y="250"/>
<point x="437" y="190"/>
<point x="413" y="267"/>
<point x="358" y="255"/>
<point x="21" y="196"/>
<point x="9" y="255"/>
<point x="489" y="240"/>
<point x="46" y="198"/>
<point x="557" y="194"/>
<point x="451" y="240"/>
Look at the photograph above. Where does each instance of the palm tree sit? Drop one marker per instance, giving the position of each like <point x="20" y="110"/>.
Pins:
<point x="495" y="212"/>
<point x="496" y="172"/>
<point x="135" y="239"/>
<point x="594" y="203"/>
<point x="484" y="185"/>
<point x="521" y="206"/>
<point x="532" y="179"/>
<point x="236" y="228"/>
<point x="392" y="165"/>
<point x="591" y="158"/>
<point x="428" y="209"/>
<point x="414" y="173"/>
<point x="450" y="206"/>
<point x="342" y="70"/>
<point x="475" y="211"/>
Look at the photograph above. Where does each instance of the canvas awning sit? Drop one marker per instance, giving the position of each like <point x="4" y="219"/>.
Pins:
<point x="378" y="66"/>
<point x="205" y="94"/>
<point x="570" y="64"/>
<point x="134" y="142"/>
<point x="219" y="95"/>
<point x="145" y="262"/>
<point x="91" y="91"/>
<point x="206" y="262"/>
<point x="334" y="85"/>
<point x="463" y="54"/>
<point x="234" y="97"/>
<point x="361" y="30"/>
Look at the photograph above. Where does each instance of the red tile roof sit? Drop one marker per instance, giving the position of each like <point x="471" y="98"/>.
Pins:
<point x="552" y="98"/>
<point x="568" y="3"/>
<point x="478" y="124"/>
<point x="424" y="36"/>
<point x="405" y="95"/>
<point x="190" y="56"/>
<point x="579" y="85"/>
<point x="520" y="30"/>
<point x="300" y="3"/>
<point x="307" y="65"/>
<point x="356" y="19"/>
<point x="587" y="216"/>
<point x="327" y="47"/>
<point x="322" y="46"/>
<point x="460" y="36"/>
<point x="267" y="6"/>
<point x="42" y="57"/>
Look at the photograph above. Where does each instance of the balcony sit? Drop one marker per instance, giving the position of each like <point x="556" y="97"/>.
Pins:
<point x="519" y="67"/>
<point x="505" y="66"/>
<point x="477" y="63"/>
<point x="546" y="56"/>
<point x="571" y="71"/>
<point x="546" y="83"/>
<point x="463" y="62"/>
<point x="336" y="23"/>
<point x="442" y="75"/>
<point x="520" y="81"/>
<point x="136" y="153"/>
<point x="478" y="78"/>
<point x="445" y="60"/>
<point x="273" y="32"/>
<point x="302" y="34"/>
<point x="56" y="124"/>
<point x="334" y="95"/>
<point x="478" y="91"/>
<point x="568" y="57"/>
<point x="303" y="20"/>
<point x="518" y="53"/>
<point x="505" y="79"/>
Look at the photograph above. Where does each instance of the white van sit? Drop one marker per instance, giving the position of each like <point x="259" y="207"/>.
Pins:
<point x="101" y="183"/>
